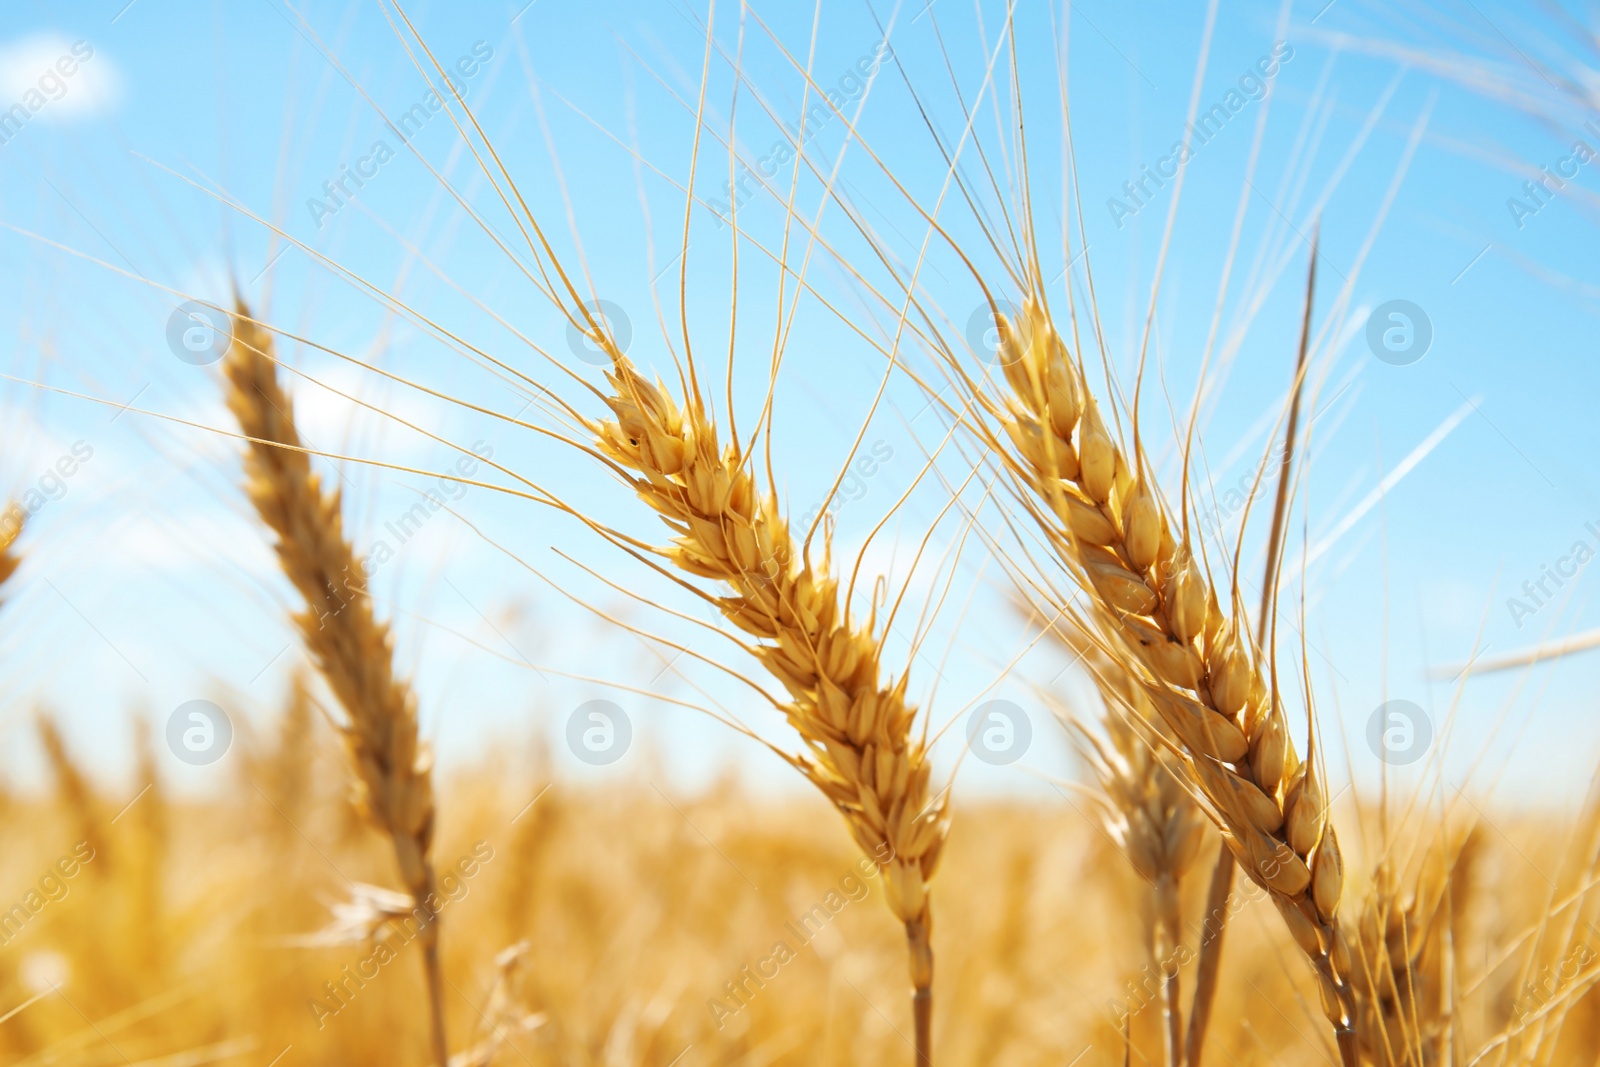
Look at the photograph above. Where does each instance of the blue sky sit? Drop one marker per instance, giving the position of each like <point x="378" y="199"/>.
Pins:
<point x="152" y="172"/>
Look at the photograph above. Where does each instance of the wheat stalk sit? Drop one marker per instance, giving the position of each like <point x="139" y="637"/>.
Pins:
<point x="856" y="725"/>
<point x="349" y="645"/>
<point x="1154" y="607"/>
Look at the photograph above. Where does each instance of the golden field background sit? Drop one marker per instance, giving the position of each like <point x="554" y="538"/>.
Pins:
<point x="635" y="907"/>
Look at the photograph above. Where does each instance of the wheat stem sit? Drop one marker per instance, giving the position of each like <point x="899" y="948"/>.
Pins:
<point x="1169" y="926"/>
<point x="920" y="952"/>
<point x="1210" y="955"/>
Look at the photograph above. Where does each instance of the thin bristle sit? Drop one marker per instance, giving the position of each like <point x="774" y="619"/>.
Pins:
<point x="1210" y="962"/>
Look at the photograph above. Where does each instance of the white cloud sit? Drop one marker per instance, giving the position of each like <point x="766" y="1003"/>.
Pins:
<point x="33" y="74"/>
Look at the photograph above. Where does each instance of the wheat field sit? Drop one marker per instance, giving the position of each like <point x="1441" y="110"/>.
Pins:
<point x="607" y="927"/>
<point x="797" y="552"/>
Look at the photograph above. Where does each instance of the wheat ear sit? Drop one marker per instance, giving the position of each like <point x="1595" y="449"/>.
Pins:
<point x="1404" y="956"/>
<point x="11" y="521"/>
<point x="349" y="645"/>
<point x="857" y="727"/>
<point x="1210" y="962"/>
<point x="1148" y="813"/>
<point x="1154" y="603"/>
<point x="1398" y="965"/>
<point x="76" y="794"/>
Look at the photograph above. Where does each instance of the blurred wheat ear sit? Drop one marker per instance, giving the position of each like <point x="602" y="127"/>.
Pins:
<point x="1146" y="810"/>
<point x="1405" y="949"/>
<point x="350" y="647"/>
<point x="76" y="794"/>
<point x="11" y="520"/>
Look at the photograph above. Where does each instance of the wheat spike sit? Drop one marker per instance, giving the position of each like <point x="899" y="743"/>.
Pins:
<point x="857" y="727"/>
<point x="1161" y="832"/>
<point x="77" y="795"/>
<point x="1403" y="956"/>
<point x="1144" y="809"/>
<point x="1155" y="609"/>
<point x="1392" y="988"/>
<point x="350" y="647"/>
<point x="150" y="820"/>
<point x="11" y="521"/>
<point x="288" y="768"/>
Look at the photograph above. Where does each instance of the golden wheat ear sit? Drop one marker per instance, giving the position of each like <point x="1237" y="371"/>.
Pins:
<point x="11" y="520"/>
<point x="862" y="748"/>
<point x="351" y="648"/>
<point x="1155" y="612"/>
